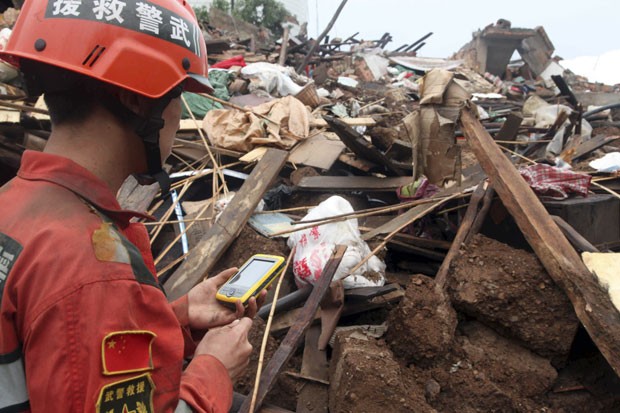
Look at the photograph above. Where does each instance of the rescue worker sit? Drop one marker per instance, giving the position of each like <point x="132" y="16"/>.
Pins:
<point x="84" y="324"/>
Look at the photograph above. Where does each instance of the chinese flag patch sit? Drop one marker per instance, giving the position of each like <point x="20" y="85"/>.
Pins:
<point x="127" y="352"/>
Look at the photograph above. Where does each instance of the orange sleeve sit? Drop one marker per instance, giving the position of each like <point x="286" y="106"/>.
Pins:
<point x="212" y="396"/>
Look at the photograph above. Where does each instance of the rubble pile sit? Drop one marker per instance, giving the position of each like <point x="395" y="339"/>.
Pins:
<point x="464" y="189"/>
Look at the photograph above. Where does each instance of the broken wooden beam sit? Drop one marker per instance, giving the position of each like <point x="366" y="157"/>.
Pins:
<point x="321" y="123"/>
<point x="461" y="235"/>
<point x="284" y="45"/>
<point x="352" y="183"/>
<point x="313" y="395"/>
<point x="510" y="128"/>
<point x="487" y="200"/>
<point x="354" y="304"/>
<point x="135" y="197"/>
<point x="591" y="145"/>
<point x="575" y="238"/>
<point x="591" y="302"/>
<point x="360" y="146"/>
<point x="296" y="332"/>
<point x="218" y="238"/>
<point x="316" y="44"/>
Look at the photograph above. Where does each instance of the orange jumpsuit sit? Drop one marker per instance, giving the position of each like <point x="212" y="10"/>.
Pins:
<point x="84" y="324"/>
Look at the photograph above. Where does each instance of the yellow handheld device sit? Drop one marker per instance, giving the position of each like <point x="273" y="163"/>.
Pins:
<point x="254" y="276"/>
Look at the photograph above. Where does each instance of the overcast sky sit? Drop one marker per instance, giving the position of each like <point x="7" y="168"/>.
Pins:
<point x="575" y="27"/>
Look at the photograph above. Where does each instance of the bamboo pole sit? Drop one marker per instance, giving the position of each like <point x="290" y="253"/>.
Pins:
<point x="261" y="356"/>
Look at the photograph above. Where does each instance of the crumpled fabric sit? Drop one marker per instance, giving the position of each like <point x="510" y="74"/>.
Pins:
<point x="272" y="79"/>
<point x="554" y="182"/>
<point x="200" y="105"/>
<point x="421" y="188"/>
<point x="243" y="131"/>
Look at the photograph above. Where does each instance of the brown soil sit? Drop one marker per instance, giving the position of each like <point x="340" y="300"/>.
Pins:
<point x="607" y="131"/>
<point x="509" y="290"/>
<point x="421" y="328"/>
<point x="432" y="361"/>
<point x="284" y="393"/>
<point x="367" y="379"/>
<point x="248" y="243"/>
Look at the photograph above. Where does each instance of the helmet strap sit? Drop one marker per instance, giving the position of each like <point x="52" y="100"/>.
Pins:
<point x="147" y="128"/>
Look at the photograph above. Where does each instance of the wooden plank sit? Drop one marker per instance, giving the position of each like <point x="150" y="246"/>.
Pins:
<point x="352" y="183"/>
<point x="313" y="396"/>
<point x="321" y="123"/>
<point x="284" y="321"/>
<point x="355" y="162"/>
<point x="592" y="305"/>
<point x="197" y="150"/>
<point x="591" y="145"/>
<point x="135" y="197"/>
<point x="510" y="128"/>
<point x="203" y="257"/>
<point x="296" y="332"/>
<point x="360" y="146"/>
<point x="395" y="223"/>
<point x="575" y="238"/>
<point x="487" y="200"/>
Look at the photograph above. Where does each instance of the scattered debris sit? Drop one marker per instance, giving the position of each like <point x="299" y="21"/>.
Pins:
<point x="463" y="287"/>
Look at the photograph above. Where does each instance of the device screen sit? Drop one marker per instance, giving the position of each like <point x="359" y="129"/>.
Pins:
<point x="251" y="273"/>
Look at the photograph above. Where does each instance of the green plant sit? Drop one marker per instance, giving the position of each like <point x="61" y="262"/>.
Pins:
<point x="265" y="13"/>
<point x="223" y="5"/>
<point x="202" y="14"/>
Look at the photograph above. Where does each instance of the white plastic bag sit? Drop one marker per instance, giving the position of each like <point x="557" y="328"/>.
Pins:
<point x="608" y="163"/>
<point x="274" y="79"/>
<point x="315" y="246"/>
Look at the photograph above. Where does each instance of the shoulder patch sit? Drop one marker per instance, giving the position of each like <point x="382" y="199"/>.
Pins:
<point x="111" y="245"/>
<point x="108" y="245"/>
<point x="9" y="252"/>
<point x="134" y="395"/>
<point x="127" y="352"/>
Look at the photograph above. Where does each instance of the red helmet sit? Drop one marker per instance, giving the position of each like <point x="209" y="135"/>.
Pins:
<point x="148" y="47"/>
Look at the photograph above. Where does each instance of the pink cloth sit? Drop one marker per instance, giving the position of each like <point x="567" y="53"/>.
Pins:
<point x="554" y="182"/>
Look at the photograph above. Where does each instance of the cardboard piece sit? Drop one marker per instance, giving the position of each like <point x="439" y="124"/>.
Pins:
<point x="318" y="151"/>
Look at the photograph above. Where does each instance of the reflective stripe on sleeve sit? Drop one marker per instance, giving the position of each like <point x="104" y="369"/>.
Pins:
<point x="13" y="391"/>
<point x="183" y="407"/>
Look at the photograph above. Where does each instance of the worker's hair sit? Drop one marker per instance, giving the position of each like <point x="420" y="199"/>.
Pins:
<point x="69" y="106"/>
<point x="69" y="96"/>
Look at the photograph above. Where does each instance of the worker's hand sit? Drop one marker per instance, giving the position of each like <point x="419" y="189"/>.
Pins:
<point x="206" y="312"/>
<point x="229" y="344"/>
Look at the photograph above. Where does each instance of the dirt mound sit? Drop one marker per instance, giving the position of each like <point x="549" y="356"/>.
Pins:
<point x="367" y="379"/>
<point x="421" y="328"/>
<point x="509" y="290"/>
<point x="513" y="368"/>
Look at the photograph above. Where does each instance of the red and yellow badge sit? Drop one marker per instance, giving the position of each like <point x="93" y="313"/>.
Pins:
<point x="127" y="352"/>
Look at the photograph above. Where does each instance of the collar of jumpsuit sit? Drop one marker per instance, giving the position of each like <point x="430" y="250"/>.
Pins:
<point x="40" y="166"/>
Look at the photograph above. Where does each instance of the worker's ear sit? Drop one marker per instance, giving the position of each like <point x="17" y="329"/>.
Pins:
<point x="134" y="102"/>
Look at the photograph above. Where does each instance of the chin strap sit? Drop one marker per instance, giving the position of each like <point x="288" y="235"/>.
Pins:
<point x="147" y="128"/>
